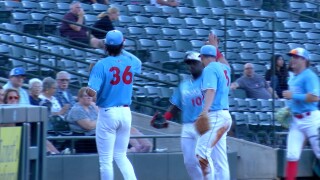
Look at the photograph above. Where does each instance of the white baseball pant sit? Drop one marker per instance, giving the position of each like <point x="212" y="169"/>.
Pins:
<point x="189" y="138"/>
<point x="213" y="145"/>
<point x="112" y="138"/>
<point x="300" y="129"/>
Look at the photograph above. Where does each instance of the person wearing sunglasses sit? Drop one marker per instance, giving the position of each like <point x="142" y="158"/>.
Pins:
<point x="16" y="79"/>
<point x="11" y="96"/>
<point x="63" y="93"/>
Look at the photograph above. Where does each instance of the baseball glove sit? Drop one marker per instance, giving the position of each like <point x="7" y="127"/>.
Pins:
<point x="283" y="116"/>
<point x="158" y="121"/>
<point x="202" y="124"/>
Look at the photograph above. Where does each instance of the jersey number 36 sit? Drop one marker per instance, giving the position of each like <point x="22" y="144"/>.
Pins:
<point x="126" y="76"/>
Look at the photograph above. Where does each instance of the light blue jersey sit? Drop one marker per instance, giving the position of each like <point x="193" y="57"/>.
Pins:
<point x="217" y="76"/>
<point x="305" y="82"/>
<point x="112" y="79"/>
<point x="189" y="99"/>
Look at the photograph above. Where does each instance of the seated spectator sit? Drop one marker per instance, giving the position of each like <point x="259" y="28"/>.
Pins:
<point x="83" y="115"/>
<point x="139" y="144"/>
<point x="78" y="33"/>
<point x="63" y="93"/>
<point x="11" y="96"/>
<point x="105" y="22"/>
<point x="16" y="79"/>
<point x="1" y="94"/>
<point x="278" y="80"/>
<point x="49" y="87"/>
<point x="255" y="85"/>
<point x="158" y="3"/>
<point x="95" y="1"/>
<point x="35" y="87"/>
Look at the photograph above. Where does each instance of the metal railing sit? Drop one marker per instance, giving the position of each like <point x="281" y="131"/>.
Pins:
<point x="153" y="137"/>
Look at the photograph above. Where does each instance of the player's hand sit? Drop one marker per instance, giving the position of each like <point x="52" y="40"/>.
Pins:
<point x="213" y="39"/>
<point x="287" y="94"/>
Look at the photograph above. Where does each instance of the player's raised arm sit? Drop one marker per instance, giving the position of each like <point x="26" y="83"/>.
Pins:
<point x="214" y="40"/>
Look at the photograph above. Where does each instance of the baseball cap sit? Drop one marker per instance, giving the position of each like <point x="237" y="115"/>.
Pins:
<point x="114" y="38"/>
<point x="191" y="55"/>
<point x="208" y="50"/>
<point x="18" y="71"/>
<point x="299" y="52"/>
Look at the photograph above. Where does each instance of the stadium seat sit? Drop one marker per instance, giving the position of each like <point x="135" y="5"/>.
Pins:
<point x="30" y="6"/>
<point x="306" y="26"/>
<point x="99" y="8"/>
<point x="264" y="57"/>
<point x="158" y="56"/>
<point x="176" y="56"/>
<point x="253" y="120"/>
<point x="164" y="45"/>
<point x="312" y="37"/>
<point x="281" y="15"/>
<point x="126" y="21"/>
<point x="297" y="6"/>
<point x="290" y="25"/>
<point x="201" y="33"/>
<point x="14" y="6"/>
<point x="234" y="35"/>
<point x="176" y="22"/>
<point x="242" y="24"/>
<point x="281" y="47"/>
<point x="298" y="37"/>
<point x="253" y="104"/>
<point x="210" y="23"/>
<point x="258" y="25"/>
<point x="170" y="33"/>
<point x="63" y="7"/>
<point x="238" y="93"/>
<point x="136" y="32"/>
<point x="230" y="24"/>
<point x="170" y="11"/>
<point x="153" y="33"/>
<point x="260" y="69"/>
<point x="186" y="34"/>
<point x="152" y="11"/>
<point x="251" y="13"/>
<point x="123" y="10"/>
<point x="186" y="11"/>
<point x="282" y="36"/>
<point x="197" y="44"/>
<point x="147" y="44"/>
<point x="265" y="105"/>
<point x="232" y="56"/>
<point x="203" y="3"/>
<point x="158" y="21"/>
<point x="248" y="46"/>
<point x="90" y="19"/>
<point x="295" y="45"/>
<point x="182" y="45"/>
<point x="248" y="57"/>
<point x="251" y="35"/>
<point x="135" y="9"/>
<point x="193" y="22"/>
<point x="217" y="12"/>
<point x="310" y="47"/>
<point x="142" y="21"/>
<point x="264" y="47"/>
<point x="231" y="3"/>
<point x="269" y="14"/>
<point x="242" y="104"/>
<point x="203" y="11"/>
<point x="246" y="4"/>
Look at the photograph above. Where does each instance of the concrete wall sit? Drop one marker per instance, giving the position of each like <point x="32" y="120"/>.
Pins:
<point x="155" y="166"/>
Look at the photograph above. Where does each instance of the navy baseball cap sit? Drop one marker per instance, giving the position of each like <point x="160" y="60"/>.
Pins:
<point x="114" y="38"/>
<point x="299" y="52"/>
<point x="208" y="50"/>
<point x="18" y="71"/>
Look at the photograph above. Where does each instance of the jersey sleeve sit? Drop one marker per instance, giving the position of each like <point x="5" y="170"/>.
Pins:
<point x="209" y="80"/>
<point x="312" y="86"/>
<point x="176" y="98"/>
<point x="96" y="77"/>
<point x="136" y="61"/>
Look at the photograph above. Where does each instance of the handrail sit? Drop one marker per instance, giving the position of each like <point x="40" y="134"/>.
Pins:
<point x="301" y="15"/>
<point x="154" y="138"/>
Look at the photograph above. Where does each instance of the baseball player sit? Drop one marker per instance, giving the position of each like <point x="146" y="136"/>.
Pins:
<point x="303" y="94"/>
<point x="211" y="148"/>
<point x="111" y="80"/>
<point x="188" y="98"/>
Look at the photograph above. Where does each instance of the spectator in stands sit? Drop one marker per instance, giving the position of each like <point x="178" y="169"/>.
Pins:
<point x="254" y="85"/>
<point x="49" y="86"/>
<point x="83" y="115"/>
<point x="278" y="80"/>
<point x="1" y="94"/>
<point x="35" y="87"/>
<point x="139" y="144"/>
<point x="105" y="22"/>
<point x="11" y="96"/>
<point x="16" y="78"/>
<point x="63" y="94"/>
<point x="77" y="33"/>
<point x="95" y="1"/>
<point x="158" y="3"/>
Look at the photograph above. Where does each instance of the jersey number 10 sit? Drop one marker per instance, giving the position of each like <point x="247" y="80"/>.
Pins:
<point x="126" y="76"/>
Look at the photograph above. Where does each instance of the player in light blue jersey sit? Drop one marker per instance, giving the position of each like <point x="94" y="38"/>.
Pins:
<point x="211" y="149"/>
<point x="303" y="94"/>
<point x="188" y="98"/>
<point x="111" y="80"/>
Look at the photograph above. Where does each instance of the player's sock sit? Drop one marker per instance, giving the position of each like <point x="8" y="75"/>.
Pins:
<point x="291" y="170"/>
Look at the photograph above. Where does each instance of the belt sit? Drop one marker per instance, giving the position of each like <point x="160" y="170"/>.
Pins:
<point x="122" y="106"/>
<point x="302" y="115"/>
<point x="219" y="110"/>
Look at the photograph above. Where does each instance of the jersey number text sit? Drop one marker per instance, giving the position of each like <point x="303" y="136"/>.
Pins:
<point x="227" y="77"/>
<point x="126" y="76"/>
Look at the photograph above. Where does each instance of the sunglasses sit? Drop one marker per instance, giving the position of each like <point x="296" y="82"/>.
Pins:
<point x="67" y="80"/>
<point x="13" y="97"/>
